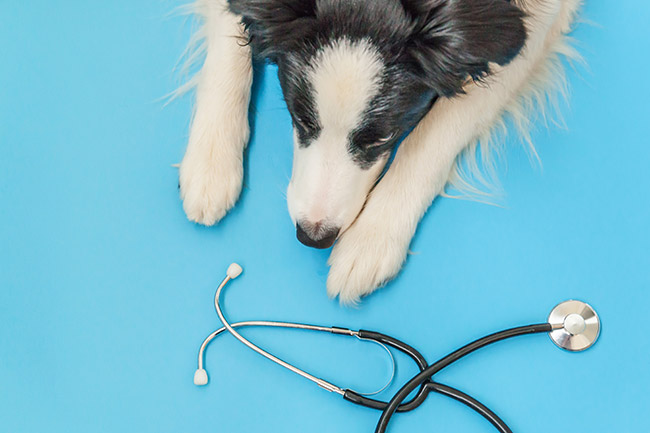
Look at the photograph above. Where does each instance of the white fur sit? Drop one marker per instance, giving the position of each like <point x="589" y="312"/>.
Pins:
<point x="373" y="250"/>
<point x="345" y="76"/>
<point x="374" y="247"/>
<point x="326" y="185"/>
<point x="211" y="172"/>
<point x="474" y="172"/>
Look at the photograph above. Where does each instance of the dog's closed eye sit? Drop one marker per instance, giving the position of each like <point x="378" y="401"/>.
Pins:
<point x="297" y="121"/>
<point x="387" y="138"/>
<point x="304" y="123"/>
<point x="383" y="140"/>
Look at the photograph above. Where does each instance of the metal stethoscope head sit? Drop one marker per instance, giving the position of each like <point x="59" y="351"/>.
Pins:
<point x="572" y="325"/>
<point x="576" y="326"/>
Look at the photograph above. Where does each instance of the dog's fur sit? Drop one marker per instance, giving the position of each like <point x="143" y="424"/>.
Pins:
<point x="358" y="77"/>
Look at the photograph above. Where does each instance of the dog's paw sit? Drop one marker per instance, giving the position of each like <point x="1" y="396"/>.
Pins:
<point x="209" y="187"/>
<point x="369" y="254"/>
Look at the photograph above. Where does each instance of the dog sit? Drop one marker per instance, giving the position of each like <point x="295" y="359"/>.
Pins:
<point x="420" y="79"/>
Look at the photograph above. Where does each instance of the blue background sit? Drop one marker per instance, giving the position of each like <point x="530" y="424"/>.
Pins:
<point x="106" y="288"/>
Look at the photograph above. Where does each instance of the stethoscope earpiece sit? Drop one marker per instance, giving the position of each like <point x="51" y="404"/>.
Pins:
<point x="200" y="377"/>
<point x="234" y="270"/>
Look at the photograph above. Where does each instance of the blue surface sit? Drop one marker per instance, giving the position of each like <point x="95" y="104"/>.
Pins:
<point x="106" y="288"/>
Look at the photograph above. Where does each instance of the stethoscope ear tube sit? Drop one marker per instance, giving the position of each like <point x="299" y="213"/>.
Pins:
<point x="472" y="403"/>
<point x="425" y="387"/>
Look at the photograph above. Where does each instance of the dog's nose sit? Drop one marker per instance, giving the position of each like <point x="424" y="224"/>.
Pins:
<point x="317" y="235"/>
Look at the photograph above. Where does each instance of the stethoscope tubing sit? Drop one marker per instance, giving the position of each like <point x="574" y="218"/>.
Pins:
<point x="426" y="374"/>
<point x="472" y="403"/>
<point x="425" y="386"/>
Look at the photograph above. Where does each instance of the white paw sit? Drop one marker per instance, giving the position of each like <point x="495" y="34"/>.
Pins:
<point x="369" y="254"/>
<point x="209" y="186"/>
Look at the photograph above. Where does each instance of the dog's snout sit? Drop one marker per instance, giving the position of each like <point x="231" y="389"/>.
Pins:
<point x="318" y="235"/>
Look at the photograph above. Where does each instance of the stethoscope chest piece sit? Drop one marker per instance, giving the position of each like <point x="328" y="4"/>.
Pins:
<point x="576" y="326"/>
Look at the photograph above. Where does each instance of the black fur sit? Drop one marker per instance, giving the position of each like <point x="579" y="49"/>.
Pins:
<point x="429" y="48"/>
<point x="457" y="39"/>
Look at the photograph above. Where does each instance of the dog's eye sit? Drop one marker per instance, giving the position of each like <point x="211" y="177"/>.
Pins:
<point x="300" y="123"/>
<point x="384" y="140"/>
<point x="387" y="139"/>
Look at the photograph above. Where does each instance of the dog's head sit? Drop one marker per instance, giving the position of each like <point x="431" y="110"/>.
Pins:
<point x="359" y="75"/>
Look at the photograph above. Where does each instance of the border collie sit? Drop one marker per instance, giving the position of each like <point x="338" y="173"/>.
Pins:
<point x="359" y="77"/>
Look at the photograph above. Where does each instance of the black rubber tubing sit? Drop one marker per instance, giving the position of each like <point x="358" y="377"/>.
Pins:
<point x="425" y="388"/>
<point x="472" y="403"/>
<point x="425" y="375"/>
<point x="416" y="356"/>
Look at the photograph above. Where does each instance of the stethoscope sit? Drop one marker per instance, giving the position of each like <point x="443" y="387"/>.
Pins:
<point x="572" y="325"/>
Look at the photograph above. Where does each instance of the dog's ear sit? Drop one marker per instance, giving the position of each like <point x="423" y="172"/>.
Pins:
<point x="454" y="40"/>
<point x="275" y="25"/>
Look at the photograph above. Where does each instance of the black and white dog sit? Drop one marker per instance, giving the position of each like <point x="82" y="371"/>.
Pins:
<point x="358" y="76"/>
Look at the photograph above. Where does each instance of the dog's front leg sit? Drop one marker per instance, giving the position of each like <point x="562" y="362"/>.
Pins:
<point x="374" y="248"/>
<point x="212" y="170"/>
